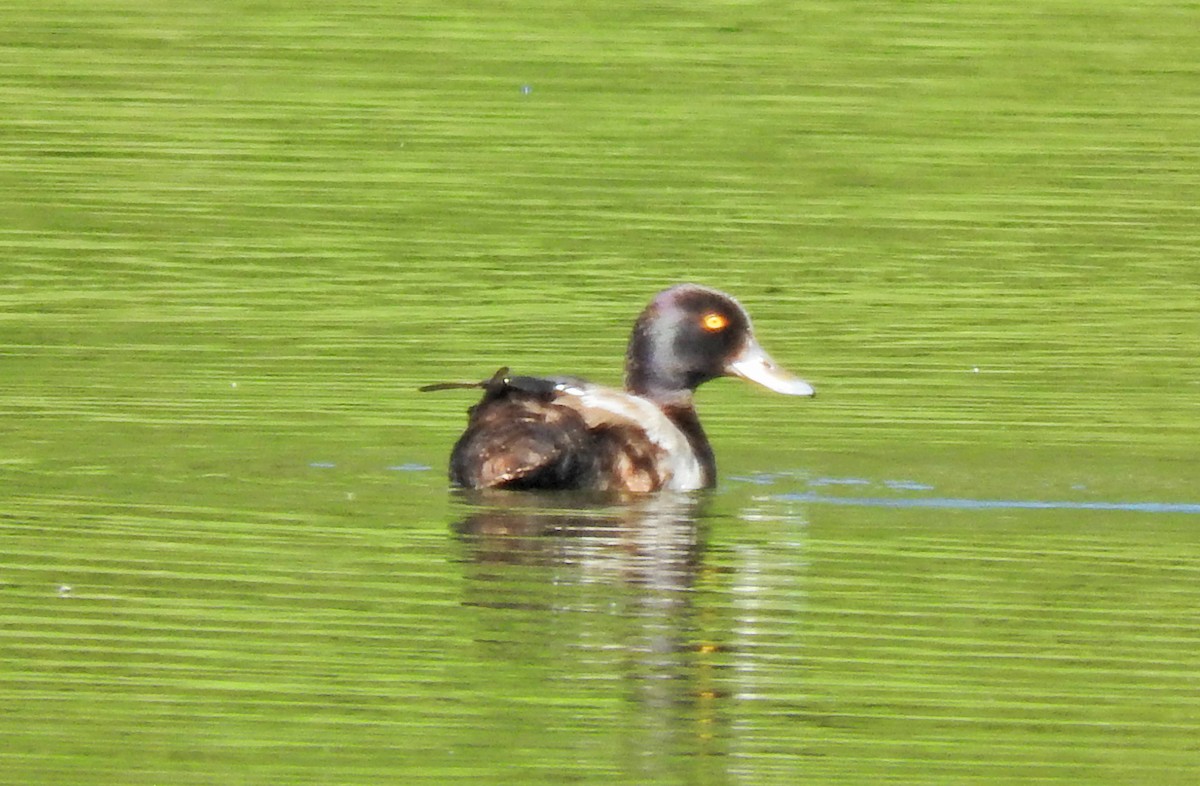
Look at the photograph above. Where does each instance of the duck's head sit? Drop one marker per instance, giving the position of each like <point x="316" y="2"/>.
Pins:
<point x="689" y="334"/>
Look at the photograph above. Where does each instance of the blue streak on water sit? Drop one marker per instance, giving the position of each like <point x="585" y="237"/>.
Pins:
<point x="953" y="503"/>
<point x="757" y="480"/>
<point x="907" y="485"/>
<point x="410" y="467"/>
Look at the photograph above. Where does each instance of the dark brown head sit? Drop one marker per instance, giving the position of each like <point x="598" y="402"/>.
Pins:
<point x="690" y="334"/>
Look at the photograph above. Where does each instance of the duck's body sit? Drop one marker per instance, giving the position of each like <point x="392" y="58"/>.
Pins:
<point x="555" y="433"/>
<point x="566" y="433"/>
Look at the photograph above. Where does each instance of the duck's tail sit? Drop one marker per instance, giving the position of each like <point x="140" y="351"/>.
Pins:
<point x="499" y="379"/>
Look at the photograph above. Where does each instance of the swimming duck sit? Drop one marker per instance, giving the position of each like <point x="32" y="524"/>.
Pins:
<point x="567" y="433"/>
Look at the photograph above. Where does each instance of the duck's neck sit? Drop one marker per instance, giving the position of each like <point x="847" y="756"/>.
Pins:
<point x="688" y="422"/>
<point x="666" y="396"/>
<point x="671" y="389"/>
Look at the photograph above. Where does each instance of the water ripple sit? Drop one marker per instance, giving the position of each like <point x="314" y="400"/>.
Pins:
<point x="960" y="503"/>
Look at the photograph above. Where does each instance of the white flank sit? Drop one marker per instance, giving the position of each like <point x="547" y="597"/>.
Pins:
<point x="600" y="405"/>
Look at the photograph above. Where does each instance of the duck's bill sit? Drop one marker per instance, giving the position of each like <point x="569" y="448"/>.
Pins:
<point x="754" y="364"/>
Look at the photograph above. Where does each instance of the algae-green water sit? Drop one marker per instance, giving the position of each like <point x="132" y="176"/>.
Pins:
<point x="235" y="239"/>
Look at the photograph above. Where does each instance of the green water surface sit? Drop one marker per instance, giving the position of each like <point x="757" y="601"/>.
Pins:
<point x="235" y="238"/>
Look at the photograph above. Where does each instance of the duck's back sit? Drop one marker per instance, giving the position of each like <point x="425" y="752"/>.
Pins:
<point x="522" y="440"/>
<point x="534" y="433"/>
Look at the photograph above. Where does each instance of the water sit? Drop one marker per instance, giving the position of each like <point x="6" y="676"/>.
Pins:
<point x="233" y="244"/>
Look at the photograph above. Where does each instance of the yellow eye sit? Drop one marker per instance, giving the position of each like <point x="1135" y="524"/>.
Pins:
<point x="714" y="321"/>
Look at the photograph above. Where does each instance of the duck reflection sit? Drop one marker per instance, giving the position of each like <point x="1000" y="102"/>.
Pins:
<point x="573" y="592"/>
<point x="653" y="540"/>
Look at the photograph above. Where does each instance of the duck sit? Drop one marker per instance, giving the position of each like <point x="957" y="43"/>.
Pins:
<point x="533" y="433"/>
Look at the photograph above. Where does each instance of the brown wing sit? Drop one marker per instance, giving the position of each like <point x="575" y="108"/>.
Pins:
<point x="627" y="460"/>
<point x="534" y="433"/>
<point x="522" y="440"/>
